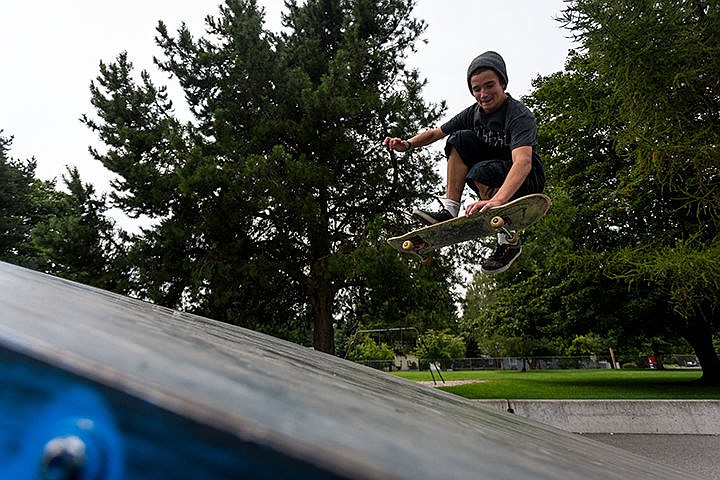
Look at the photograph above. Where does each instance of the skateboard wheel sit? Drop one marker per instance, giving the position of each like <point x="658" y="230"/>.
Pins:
<point x="426" y="261"/>
<point x="407" y="245"/>
<point x="497" y="222"/>
<point x="512" y="238"/>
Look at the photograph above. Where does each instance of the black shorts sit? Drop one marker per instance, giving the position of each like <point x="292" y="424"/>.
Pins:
<point x="486" y="166"/>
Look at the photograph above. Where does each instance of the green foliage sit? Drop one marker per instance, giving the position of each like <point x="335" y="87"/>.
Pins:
<point x="688" y="270"/>
<point x="437" y="345"/>
<point x="25" y="203"/>
<point x="498" y="345"/>
<point x="589" y="344"/>
<point x="79" y="240"/>
<point x="262" y="201"/>
<point x="367" y="349"/>
<point x="492" y="345"/>
<point x="64" y="233"/>
<point x="629" y="134"/>
<point x="661" y="62"/>
<point x="394" y="292"/>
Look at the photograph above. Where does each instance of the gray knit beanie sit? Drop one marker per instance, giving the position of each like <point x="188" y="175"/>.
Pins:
<point x="488" y="60"/>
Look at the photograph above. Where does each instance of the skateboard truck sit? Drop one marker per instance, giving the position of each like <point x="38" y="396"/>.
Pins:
<point x="499" y="223"/>
<point x="415" y="244"/>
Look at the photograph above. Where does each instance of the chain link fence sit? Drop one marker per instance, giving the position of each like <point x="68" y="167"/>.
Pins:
<point x="536" y="363"/>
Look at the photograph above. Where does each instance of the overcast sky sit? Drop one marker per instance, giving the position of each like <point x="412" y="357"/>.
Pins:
<point x="50" y="51"/>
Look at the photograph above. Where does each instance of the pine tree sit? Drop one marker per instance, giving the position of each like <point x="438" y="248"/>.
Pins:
<point x="79" y="241"/>
<point x="24" y="202"/>
<point x="264" y="199"/>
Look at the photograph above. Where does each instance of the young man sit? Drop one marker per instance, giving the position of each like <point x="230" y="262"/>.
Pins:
<point x="491" y="148"/>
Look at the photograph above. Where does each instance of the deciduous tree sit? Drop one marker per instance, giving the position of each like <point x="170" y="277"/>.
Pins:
<point x="631" y="135"/>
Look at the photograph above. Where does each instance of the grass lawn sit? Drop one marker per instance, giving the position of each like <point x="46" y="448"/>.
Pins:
<point x="575" y="384"/>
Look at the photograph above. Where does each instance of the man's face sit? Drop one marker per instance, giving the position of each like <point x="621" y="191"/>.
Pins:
<point x="487" y="90"/>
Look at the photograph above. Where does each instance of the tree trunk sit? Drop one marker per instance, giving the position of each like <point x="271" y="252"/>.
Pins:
<point x="321" y="292"/>
<point x="699" y="335"/>
<point x="323" y="333"/>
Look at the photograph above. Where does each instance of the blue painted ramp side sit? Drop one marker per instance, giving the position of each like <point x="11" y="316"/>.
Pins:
<point x="113" y="388"/>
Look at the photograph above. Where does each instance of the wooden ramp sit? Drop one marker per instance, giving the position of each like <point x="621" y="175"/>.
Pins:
<point x="103" y="386"/>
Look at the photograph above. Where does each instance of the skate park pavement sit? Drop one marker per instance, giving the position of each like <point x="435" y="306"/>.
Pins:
<point x="698" y="454"/>
<point x="684" y="434"/>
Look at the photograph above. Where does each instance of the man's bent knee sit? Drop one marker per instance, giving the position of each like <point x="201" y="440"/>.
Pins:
<point x="485" y="192"/>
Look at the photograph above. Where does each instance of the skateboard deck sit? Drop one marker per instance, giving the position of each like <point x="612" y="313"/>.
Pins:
<point x="511" y="217"/>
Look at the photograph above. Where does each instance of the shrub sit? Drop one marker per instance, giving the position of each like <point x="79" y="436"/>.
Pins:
<point x="440" y="346"/>
<point x="369" y="350"/>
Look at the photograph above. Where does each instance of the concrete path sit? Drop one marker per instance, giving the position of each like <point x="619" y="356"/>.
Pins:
<point x="699" y="454"/>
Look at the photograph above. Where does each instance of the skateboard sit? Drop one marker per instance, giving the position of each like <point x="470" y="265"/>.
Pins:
<point x="509" y="218"/>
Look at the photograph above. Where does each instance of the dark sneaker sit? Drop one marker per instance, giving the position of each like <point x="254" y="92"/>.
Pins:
<point x="431" y="218"/>
<point x="501" y="259"/>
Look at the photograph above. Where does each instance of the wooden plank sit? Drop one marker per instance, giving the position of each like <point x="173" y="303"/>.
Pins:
<point x="205" y="399"/>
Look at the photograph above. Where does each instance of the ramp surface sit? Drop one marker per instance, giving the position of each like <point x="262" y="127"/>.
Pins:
<point x="154" y="393"/>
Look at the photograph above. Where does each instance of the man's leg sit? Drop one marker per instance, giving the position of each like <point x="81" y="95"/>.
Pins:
<point x="506" y="252"/>
<point x="463" y="144"/>
<point x="485" y="192"/>
<point x="456" y="172"/>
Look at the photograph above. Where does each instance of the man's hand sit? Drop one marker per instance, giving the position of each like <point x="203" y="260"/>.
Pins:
<point x="482" y="205"/>
<point x="397" y="144"/>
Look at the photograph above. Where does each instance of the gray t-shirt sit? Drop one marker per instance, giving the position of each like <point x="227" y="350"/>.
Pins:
<point x="510" y="126"/>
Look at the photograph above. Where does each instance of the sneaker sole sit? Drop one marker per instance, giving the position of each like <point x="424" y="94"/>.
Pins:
<point x="424" y="217"/>
<point x="503" y="268"/>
